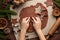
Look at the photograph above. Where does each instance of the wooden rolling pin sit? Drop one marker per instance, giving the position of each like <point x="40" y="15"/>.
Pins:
<point x="54" y="27"/>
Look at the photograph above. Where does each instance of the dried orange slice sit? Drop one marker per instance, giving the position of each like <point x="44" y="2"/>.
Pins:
<point x="3" y="23"/>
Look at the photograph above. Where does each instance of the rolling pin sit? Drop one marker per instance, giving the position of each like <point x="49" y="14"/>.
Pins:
<point x="54" y="27"/>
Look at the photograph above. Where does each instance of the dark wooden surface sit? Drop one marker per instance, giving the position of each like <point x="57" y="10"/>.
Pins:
<point x="56" y="36"/>
<point x="11" y="34"/>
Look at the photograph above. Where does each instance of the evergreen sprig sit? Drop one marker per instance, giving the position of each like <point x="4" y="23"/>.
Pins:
<point x="7" y="13"/>
<point x="57" y="3"/>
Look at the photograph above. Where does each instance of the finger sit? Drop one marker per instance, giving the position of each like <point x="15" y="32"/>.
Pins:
<point x="28" y="19"/>
<point x="25" y="18"/>
<point x="33" y="19"/>
<point x="37" y="18"/>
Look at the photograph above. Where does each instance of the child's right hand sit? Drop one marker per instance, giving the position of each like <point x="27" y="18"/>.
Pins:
<point x="36" y="23"/>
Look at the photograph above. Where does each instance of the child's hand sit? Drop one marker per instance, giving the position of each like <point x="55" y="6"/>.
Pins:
<point x="25" y="23"/>
<point x="36" y="23"/>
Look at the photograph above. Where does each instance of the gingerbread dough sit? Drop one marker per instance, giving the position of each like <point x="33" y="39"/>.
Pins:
<point x="30" y="12"/>
<point x="49" y="3"/>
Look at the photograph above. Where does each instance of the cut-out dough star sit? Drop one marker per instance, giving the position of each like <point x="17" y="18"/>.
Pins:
<point x="38" y="10"/>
